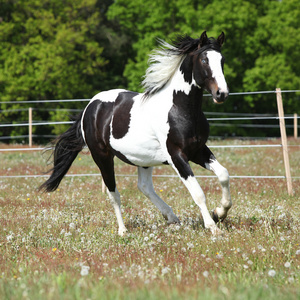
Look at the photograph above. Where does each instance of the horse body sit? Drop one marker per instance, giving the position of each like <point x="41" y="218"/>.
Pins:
<point x="164" y="125"/>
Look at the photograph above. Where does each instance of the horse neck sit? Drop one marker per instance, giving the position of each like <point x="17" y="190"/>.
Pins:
<point x="191" y="92"/>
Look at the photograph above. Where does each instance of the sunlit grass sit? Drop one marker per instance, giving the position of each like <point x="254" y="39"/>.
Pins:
<point x="65" y="245"/>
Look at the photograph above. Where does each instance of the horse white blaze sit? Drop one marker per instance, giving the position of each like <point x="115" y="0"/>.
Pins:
<point x="214" y="59"/>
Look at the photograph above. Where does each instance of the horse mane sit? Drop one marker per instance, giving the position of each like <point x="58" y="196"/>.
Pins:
<point x="164" y="61"/>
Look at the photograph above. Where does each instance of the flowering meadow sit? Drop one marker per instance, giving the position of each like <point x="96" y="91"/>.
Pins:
<point x="65" y="245"/>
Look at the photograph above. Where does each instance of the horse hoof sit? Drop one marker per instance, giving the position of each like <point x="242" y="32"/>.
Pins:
<point x="171" y="219"/>
<point x="217" y="232"/>
<point x="122" y="231"/>
<point x="215" y="216"/>
<point x="176" y="222"/>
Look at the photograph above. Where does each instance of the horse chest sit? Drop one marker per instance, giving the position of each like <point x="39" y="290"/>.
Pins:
<point x="188" y="126"/>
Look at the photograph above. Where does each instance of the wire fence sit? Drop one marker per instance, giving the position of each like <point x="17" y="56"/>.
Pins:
<point x="230" y="120"/>
<point x="230" y="117"/>
<point x="205" y="95"/>
<point x="156" y="176"/>
<point x="22" y="149"/>
<point x="214" y="122"/>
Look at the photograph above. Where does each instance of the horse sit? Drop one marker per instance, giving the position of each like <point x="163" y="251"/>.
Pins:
<point x="163" y="125"/>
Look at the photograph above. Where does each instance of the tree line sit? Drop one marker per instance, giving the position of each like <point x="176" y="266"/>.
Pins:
<point x="72" y="49"/>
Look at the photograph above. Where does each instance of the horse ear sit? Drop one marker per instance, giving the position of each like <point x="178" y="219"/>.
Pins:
<point x="202" y="40"/>
<point x="221" y="39"/>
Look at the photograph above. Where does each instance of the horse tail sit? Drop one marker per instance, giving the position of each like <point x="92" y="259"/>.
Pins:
<point x="67" y="147"/>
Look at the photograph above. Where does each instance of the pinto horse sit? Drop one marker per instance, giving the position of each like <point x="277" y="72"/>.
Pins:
<point x="163" y="125"/>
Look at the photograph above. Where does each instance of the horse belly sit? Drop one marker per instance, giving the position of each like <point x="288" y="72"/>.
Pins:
<point x="142" y="141"/>
<point x="139" y="151"/>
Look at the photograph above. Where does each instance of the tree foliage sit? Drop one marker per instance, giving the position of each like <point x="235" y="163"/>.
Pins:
<point x="48" y="50"/>
<point x="55" y="49"/>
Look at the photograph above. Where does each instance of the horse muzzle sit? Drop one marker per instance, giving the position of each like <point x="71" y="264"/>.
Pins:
<point x="220" y="96"/>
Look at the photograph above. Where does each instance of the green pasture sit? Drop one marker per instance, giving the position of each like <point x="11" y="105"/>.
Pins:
<point x="64" y="245"/>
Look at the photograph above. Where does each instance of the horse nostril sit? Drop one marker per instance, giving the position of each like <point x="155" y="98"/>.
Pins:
<point x="221" y="96"/>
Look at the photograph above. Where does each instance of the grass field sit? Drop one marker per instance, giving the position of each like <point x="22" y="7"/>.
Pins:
<point x="65" y="245"/>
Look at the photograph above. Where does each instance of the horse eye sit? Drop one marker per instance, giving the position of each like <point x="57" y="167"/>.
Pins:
<point x="203" y="61"/>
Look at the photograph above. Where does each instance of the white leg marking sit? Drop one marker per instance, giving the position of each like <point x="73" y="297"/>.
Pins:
<point x="223" y="177"/>
<point x="145" y="185"/>
<point x="114" y="198"/>
<point x="197" y="194"/>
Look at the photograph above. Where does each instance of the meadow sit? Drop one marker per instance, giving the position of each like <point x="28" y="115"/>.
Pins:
<point x="65" y="245"/>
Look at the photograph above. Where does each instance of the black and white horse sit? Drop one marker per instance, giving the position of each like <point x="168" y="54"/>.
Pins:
<point x="164" y="125"/>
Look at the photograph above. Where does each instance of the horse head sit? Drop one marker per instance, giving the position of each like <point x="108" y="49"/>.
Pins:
<point x="208" y="64"/>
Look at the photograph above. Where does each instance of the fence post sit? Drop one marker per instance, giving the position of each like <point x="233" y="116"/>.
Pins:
<point x="295" y="126"/>
<point x="284" y="142"/>
<point x="30" y="126"/>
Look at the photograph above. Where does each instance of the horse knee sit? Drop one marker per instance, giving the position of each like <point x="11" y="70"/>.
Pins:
<point x="223" y="176"/>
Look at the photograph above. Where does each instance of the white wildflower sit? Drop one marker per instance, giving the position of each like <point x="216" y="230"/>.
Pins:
<point x="287" y="264"/>
<point x="291" y="279"/>
<point x="84" y="270"/>
<point x="190" y="245"/>
<point x="165" y="270"/>
<point x="272" y="273"/>
<point x="72" y="226"/>
<point x="205" y="274"/>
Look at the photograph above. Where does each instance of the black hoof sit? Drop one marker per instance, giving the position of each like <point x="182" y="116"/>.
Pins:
<point x="215" y="216"/>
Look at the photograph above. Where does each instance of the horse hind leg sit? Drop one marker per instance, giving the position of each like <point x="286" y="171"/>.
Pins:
<point x="106" y="166"/>
<point x="145" y="185"/>
<point x="114" y="198"/>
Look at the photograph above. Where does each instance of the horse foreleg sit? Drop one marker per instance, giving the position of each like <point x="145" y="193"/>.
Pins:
<point x="213" y="165"/>
<point x="207" y="160"/>
<point x="185" y="172"/>
<point x="145" y="185"/>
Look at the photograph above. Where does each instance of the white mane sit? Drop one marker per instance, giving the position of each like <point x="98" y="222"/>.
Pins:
<point x="163" y="63"/>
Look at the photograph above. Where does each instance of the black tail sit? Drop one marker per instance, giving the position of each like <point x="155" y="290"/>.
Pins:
<point x="67" y="147"/>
